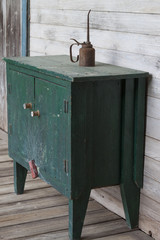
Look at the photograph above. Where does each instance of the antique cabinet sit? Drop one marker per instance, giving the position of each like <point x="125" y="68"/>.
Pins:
<point x="77" y="128"/>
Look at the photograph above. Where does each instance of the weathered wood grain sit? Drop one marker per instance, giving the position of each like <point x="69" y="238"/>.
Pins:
<point x="10" y="46"/>
<point x="153" y="128"/>
<point x="150" y="226"/>
<point x="13" y="38"/>
<point x="152" y="169"/>
<point x="3" y="105"/>
<point x="6" y="172"/>
<point x="9" y="179"/>
<point x="128" y="42"/>
<point x="108" y="200"/>
<point x="46" y="213"/>
<point x="32" y="204"/>
<point x="47" y="46"/>
<point x="62" y="235"/>
<point x="136" y="235"/>
<point x="30" y="185"/>
<point x="8" y="164"/>
<point x="3" y="151"/>
<point x="151" y="189"/>
<point x="152" y="148"/>
<point x="3" y="97"/>
<point x="143" y="6"/>
<point x="3" y="141"/>
<point x="130" y="60"/>
<point x="4" y="158"/>
<point x="149" y="208"/>
<point x="149" y="218"/>
<point x="3" y="147"/>
<point x="94" y="221"/>
<point x="153" y="107"/>
<point x="6" y="180"/>
<point x="3" y="135"/>
<point x="113" y="21"/>
<point x="154" y="87"/>
<point x="34" y="53"/>
<point x="1" y="29"/>
<point x="36" y="194"/>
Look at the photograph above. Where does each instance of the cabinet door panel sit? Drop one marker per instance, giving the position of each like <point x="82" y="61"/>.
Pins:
<point x="50" y="132"/>
<point x="20" y="91"/>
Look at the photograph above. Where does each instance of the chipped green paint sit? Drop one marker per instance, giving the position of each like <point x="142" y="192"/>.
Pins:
<point x="54" y="66"/>
<point x="90" y="132"/>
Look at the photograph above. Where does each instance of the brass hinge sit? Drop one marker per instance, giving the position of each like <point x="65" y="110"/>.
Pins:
<point x="9" y="88"/>
<point x="65" y="106"/>
<point x="66" y="168"/>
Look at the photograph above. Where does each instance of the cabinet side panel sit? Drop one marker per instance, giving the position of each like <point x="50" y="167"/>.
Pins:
<point x="139" y="128"/>
<point x="81" y="138"/>
<point x="107" y="131"/>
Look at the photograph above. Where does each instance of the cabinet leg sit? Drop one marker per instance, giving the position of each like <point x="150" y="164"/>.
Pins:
<point x="77" y="211"/>
<point x="131" y="199"/>
<point x="20" y="174"/>
<point x="129" y="190"/>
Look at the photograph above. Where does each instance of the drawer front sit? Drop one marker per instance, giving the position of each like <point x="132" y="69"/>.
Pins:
<point x="20" y="91"/>
<point x="50" y="131"/>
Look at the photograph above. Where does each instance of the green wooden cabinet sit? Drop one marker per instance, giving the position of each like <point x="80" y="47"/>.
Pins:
<point x="89" y="134"/>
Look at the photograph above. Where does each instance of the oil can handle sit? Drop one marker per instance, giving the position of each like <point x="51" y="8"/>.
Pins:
<point x="76" y="43"/>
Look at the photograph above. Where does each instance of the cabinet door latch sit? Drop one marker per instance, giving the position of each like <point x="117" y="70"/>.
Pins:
<point x="10" y="129"/>
<point x="9" y="88"/>
<point x="66" y="168"/>
<point x="65" y="106"/>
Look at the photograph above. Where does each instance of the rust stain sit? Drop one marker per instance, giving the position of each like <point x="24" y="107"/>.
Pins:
<point x="33" y="169"/>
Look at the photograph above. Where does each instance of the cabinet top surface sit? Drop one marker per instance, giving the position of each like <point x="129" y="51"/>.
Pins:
<point x="61" y="67"/>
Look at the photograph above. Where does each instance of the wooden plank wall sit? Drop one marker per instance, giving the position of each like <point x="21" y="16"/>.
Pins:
<point x="3" y="117"/>
<point x="10" y="45"/>
<point x="125" y="33"/>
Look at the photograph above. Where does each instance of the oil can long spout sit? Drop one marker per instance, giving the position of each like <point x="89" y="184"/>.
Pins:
<point x="88" y="37"/>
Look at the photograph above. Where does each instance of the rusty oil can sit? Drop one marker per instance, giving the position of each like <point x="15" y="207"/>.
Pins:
<point x="86" y="55"/>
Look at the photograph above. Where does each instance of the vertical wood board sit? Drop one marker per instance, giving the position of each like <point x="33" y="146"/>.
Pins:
<point x="3" y="106"/>
<point x="13" y="40"/>
<point x="10" y="39"/>
<point x="24" y="26"/>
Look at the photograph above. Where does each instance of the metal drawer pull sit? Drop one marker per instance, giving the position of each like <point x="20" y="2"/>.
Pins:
<point x="35" y="113"/>
<point x="27" y="105"/>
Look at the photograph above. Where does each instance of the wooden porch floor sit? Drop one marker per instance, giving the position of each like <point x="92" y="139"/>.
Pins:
<point x="42" y="213"/>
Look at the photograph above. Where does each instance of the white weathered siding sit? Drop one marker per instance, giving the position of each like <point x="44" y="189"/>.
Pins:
<point x="125" y="33"/>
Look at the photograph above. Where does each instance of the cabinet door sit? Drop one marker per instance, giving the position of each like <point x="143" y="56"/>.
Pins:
<point x="20" y="91"/>
<point x="50" y="132"/>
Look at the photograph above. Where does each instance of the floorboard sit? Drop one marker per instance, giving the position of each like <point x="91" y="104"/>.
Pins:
<point x="41" y="213"/>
